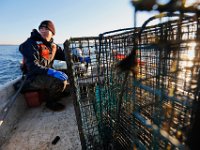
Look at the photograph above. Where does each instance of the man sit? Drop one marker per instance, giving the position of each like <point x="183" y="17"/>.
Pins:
<point x="38" y="52"/>
<point x="77" y="55"/>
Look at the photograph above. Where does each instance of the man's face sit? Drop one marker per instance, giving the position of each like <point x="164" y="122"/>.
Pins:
<point x="46" y="33"/>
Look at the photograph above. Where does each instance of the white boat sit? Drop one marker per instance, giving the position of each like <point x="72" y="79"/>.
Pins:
<point x="25" y="128"/>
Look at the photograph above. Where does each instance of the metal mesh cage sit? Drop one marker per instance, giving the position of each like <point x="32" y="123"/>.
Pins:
<point x="82" y="62"/>
<point x="150" y="106"/>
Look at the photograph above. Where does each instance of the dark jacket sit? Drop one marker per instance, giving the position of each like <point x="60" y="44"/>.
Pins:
<point x="32" y="58"/>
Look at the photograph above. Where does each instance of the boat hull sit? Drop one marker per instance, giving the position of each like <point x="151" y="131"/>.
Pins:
<point x="15" y="112"/>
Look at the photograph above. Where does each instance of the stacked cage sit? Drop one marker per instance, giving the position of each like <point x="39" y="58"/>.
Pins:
<point x="88" y="80"/>
<point x="151" y="106"/>
<point x="148" y="106"/>
<point x="166" y="85"/>
<point x="155" y="102"/>
<point x="82" y="65"/>
<point x="114" y="46"/>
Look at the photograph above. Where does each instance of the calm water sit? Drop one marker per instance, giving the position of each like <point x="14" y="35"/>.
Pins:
<point x="10" y="59"/>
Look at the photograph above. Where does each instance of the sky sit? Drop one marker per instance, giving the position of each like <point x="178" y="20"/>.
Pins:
<point x="72" y="18"/>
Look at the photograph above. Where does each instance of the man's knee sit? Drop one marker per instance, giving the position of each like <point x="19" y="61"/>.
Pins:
<point x="50" y="83"/>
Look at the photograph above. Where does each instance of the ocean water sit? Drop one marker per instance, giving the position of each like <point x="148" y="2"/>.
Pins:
<point x="10" y="58"/>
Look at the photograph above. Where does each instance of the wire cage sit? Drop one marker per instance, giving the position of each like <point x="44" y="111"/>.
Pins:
<point x="82" y="63"/>
<point x="166" y="84"/>
<point x="150" y="106"/>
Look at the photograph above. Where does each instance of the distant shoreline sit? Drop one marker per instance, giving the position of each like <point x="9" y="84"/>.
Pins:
<point x="16" y="44"/>
<point x="9" y="44"/>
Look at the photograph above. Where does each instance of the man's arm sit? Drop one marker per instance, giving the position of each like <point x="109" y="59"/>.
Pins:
<point x="31" y="57"/>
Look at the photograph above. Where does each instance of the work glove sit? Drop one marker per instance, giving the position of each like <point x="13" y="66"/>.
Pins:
<point x="57" y="74"/>
<point x="85" y="59"/>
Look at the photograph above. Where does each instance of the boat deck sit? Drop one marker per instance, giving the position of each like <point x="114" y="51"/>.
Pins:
<point x="38" y="127"/>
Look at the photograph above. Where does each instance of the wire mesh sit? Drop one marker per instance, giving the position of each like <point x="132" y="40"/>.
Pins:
<point x="168" y="82"/>
<point x="83" y="62"/>
<point x="151" y="106"/>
